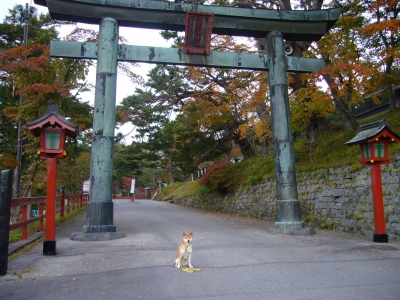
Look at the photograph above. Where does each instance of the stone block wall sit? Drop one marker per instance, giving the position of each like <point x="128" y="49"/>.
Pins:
<point x="338" y="199"/>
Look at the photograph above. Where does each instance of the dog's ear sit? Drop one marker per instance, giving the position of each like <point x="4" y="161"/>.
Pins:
<point x="191" y="233"/>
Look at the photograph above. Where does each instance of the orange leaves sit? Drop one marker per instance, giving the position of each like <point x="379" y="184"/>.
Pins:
<point x="81" y="34"/>
<point x="125" y="115"/>
<point x="39" y="91"/>
<point x="260" y="94"/>
<point x="361" y="51"/>
<point x="8" y="160"/>
<point x="11" y="112"/>
<point x="38" y="77"/>
<point x="387" y="4"/>
<point x="390" y="25"/>
<point x="24" y="59"/>
<point x="232" y="102"/>
<point x="227" y="43"/>
<point x="125" y="68"/>
<point x="126" y="182"/>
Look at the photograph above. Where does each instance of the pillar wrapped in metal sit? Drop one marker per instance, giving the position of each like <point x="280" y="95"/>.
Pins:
<point x="287" y="205"/>
<point x="100" y="208"/>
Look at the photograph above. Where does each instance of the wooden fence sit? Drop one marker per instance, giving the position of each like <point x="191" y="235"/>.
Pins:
<point x="67" y="203"/>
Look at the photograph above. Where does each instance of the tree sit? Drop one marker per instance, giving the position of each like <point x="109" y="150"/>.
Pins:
<point x="346" y="70"/>
<point x="230" y="99"/>
<point x="41" y="30"/>
<point x="151" y="110"/>
<point x="8" y="133"/>
<point x="382" y="37"/>
<point x="28" y="70"/>
<point x="215" y="108"/>
<point x="194" y="143"/>
<point x="309" y="108"/>
<point x="129" y="161"/>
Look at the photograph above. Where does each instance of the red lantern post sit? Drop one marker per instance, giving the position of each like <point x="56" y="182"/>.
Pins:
<point x="52" y="128"/>
<point x="374" y="139"/>
<point x="50" y="234"/>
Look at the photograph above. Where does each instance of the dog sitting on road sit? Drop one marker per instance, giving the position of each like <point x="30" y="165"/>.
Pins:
<point x="184" y="254"/>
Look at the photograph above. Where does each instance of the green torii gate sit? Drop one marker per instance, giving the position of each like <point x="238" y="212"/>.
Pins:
<point x="273" y="25"/>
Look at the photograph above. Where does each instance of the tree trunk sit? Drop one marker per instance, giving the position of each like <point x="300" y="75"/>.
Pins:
<point x="245" y="146"/>
<point x="314" y="123"/>
<point x="343" y="107"/>
<point x="265" y="117"/>
<point x="170" y="174"/>
<point x="392" y="103"/>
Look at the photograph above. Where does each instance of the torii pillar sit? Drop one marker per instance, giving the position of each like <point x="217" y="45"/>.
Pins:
<point x="288" y="209"/>
<point x="100" y="214"/>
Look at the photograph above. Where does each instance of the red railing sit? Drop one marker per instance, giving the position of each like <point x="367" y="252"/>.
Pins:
<point x="67" y="203"/>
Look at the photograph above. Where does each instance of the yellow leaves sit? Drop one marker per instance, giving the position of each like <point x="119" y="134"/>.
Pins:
<point x="11" y="112"/>
<point x="197" y="74"/>
<point x="307" y="103"/>
<point x="255" y="127"/>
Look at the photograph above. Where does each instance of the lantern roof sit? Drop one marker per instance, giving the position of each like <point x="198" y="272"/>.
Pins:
<point x="52" y="118"/>
<point x="372" y="131"/>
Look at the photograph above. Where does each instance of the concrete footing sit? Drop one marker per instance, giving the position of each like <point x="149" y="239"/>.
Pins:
<point x="96" y="236"/>
<point x="292" y="231"/>
<point x="380" y="238"/>
<point x="49" y="247"/>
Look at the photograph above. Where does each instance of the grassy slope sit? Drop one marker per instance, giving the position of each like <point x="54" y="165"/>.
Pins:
<point x="329" y="151"/>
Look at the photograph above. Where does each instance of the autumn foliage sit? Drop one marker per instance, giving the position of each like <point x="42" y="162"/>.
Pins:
<point x="220" y="177"/>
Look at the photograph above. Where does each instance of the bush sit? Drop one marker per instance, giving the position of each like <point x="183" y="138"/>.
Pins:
<point x="220" y="177"/>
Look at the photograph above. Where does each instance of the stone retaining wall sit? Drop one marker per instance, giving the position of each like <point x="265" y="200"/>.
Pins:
<point x="338" y="199"/>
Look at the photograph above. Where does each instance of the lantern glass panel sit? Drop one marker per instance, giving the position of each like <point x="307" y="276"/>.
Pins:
<point x="366" y="150"/>
<point x="379" y="150"/>
<point x="52" y="140"/>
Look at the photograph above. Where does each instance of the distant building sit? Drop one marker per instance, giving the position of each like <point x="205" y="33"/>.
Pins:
<point x="369" y="108"/>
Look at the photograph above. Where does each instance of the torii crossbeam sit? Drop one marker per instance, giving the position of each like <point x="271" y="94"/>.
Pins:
<point x="273" y="25"/>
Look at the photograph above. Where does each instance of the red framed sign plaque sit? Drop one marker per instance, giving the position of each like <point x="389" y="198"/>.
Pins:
<point x="198" y="32"/>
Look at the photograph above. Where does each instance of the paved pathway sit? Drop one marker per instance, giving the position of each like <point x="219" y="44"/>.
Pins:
<point x="239" y="260"/>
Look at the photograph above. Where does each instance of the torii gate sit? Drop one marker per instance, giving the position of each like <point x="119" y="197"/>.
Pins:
<point x="273" y="25"/>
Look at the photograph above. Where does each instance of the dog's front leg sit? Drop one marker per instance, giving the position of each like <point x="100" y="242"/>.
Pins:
<point x="190" y="261"/>
<point x="180" y="259"/>
<point x="179" y="262"/>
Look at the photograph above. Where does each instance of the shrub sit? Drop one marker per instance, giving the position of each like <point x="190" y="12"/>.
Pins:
<point x="220" y="177"/>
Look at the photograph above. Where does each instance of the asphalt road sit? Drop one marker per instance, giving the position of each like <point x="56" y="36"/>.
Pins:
<point x="239" y="260"/>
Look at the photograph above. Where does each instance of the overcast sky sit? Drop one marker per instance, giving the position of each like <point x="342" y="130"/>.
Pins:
<point x="142" y="37"/>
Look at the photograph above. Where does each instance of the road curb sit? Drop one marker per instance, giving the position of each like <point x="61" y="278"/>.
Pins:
<point x="14" y="247"/>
